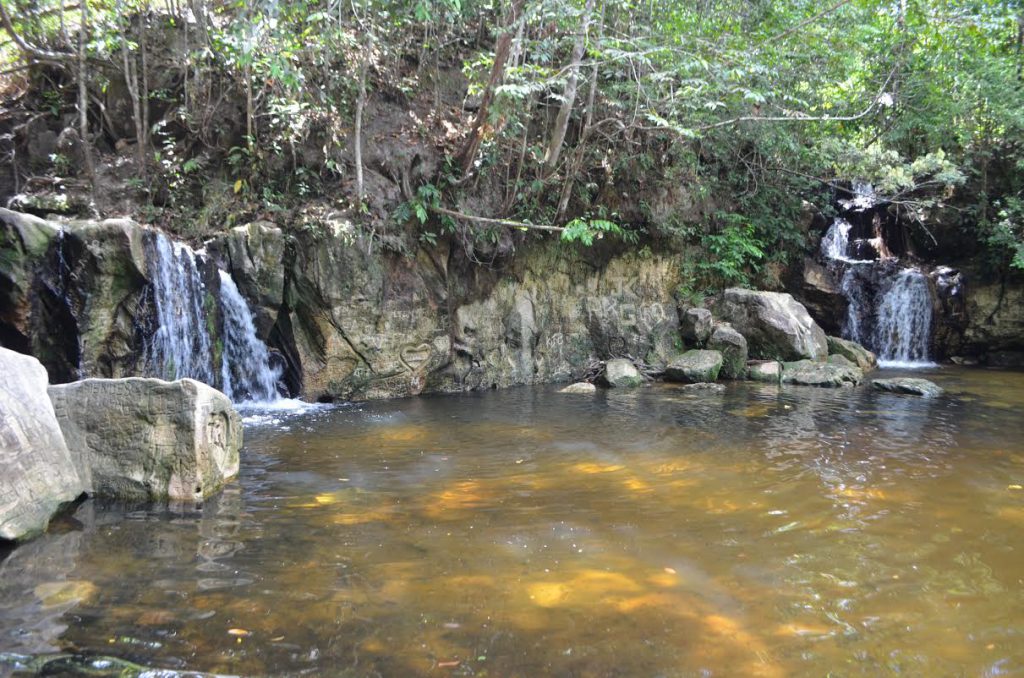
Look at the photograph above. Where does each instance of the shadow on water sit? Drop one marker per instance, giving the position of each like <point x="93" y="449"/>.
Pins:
<point x="763" y="531"/>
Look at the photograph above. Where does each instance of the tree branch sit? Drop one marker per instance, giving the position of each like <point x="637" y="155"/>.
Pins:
<point x="496" y="222"/>
<point x="30" y="51"/>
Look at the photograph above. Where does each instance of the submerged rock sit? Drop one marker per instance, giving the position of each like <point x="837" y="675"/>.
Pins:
<point x="147" y="439"/>
<point x="580" y="388"/>
<point x="764" y="370"/>
<point x="776" y="326"/>
<point x="695" y="325"/>
<point x="695" y="366"/>
<point x="733" y="348"/>
<point x="38" y="474"/>
<point x="851" y="350"/>
<point x="703" y="387"/>
<point x="830" y="374"/>
<point x="620" y="372"/>
<point x="909" y="385"/>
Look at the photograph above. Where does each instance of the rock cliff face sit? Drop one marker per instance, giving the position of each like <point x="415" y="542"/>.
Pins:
<point x="353" y="324"/>
<point x="345" y="321"/>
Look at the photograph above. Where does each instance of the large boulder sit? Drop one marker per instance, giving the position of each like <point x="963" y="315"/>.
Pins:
<point x="695" y="367"/>
<point x="147" y="439"/>
<point x="908" y="385"/>
<point x="695" y="325"/>
<point x="38" y="474"/>
<point x="776" y="326"/>
<point x="851" y="350"/>
<point x="733" y="348"/>
<point x="622" y="373"/>
<point x="830" y="374"/>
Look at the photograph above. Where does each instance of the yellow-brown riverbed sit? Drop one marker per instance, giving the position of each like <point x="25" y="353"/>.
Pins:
<point x="765" y="531"/>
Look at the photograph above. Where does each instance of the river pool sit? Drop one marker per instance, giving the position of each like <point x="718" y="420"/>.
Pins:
<point x="765" y="531"/>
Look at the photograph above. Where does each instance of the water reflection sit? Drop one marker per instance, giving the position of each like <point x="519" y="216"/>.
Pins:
<point x="764" y="531"/>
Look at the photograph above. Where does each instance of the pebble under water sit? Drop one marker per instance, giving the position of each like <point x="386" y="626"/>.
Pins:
<point x="766" y="531"/>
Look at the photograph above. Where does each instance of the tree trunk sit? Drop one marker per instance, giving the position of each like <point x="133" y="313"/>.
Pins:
<point x="143" y="47"/>
<point x="131" y="81"/>
<point x="83" y="102"/>
<point x="581" y="146"/>
<point x="568" y="95"/>
<point x="502" y="49"/>
<point x="364" y="67"/>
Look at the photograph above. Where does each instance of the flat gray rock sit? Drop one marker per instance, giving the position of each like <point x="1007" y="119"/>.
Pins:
<point x="851" y="350"/>
<point x="829" y="375"/>
<point x="908" y="385"/>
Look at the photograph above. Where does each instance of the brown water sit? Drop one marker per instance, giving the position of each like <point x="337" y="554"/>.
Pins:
<point x="763" y="532"/>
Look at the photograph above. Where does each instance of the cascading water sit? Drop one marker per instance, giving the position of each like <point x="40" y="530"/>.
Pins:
<point x="837" y="240"/>
<point x="904" y="323"/>
<point x="181" y="346"/>
<point x="245" y="364"/>
<point x="889" y="307"/>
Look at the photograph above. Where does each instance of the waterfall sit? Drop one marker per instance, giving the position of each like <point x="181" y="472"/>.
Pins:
<point x="904" y="323"/>
<point x="181" y="346"/>
<point x="836" y="240"/>
<point x="889" y="307"/>
<point x="245" y="362"/>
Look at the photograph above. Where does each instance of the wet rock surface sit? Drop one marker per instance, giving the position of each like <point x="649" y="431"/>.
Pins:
<point x="769" y="371"/>
<point x="696" y="325"/>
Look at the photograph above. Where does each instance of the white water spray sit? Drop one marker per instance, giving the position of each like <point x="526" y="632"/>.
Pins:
<point x="245" y="364"/>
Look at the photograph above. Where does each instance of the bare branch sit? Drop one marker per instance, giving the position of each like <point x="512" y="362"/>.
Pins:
<point x="496" y="222"/>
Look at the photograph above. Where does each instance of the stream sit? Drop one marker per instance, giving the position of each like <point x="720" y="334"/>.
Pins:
<point x="766" y="531"/>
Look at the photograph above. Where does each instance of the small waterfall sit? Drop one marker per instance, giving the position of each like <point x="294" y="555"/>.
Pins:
<point x="181" y="346"/>
<point x="889" y="308"/>
<point x="857" y="304"/>
<point x="836" y="241"/>
<point x="245" y="362"/>
<point x="904" y="324"/>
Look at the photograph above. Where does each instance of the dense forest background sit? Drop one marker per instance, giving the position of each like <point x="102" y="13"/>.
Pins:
<point x="720" y="126"/>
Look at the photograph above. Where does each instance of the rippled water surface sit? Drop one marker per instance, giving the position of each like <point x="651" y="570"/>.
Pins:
<point x="765" y="531"/>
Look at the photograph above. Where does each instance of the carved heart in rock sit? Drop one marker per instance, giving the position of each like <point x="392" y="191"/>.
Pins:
<point x="415" y="356"/>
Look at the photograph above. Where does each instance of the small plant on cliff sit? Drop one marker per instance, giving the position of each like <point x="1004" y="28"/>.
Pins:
<point x="734" y="253"/>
